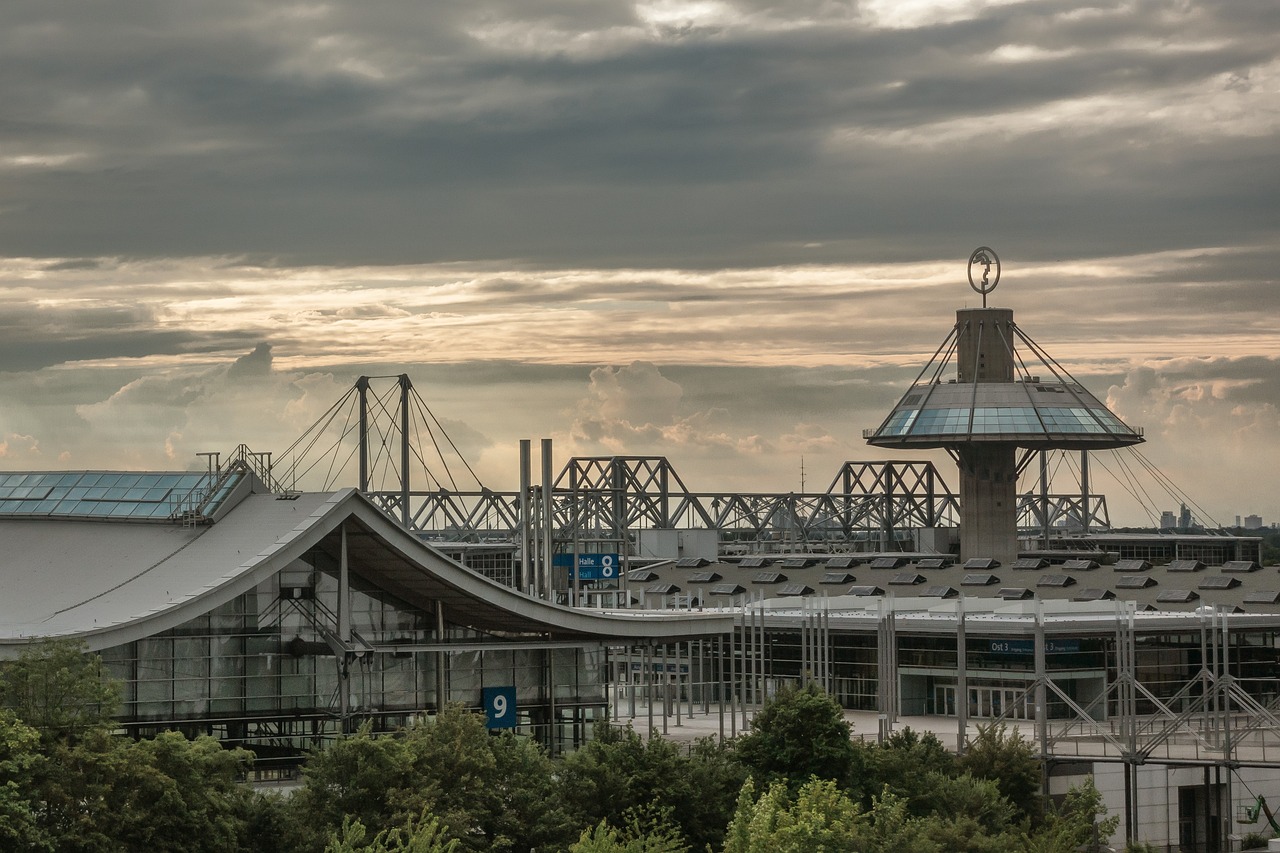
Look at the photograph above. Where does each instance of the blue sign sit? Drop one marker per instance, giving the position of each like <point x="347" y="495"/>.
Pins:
<point x="591" y="567"/>
<point x="499" y="707"/>
<point x="1028" y="647"/>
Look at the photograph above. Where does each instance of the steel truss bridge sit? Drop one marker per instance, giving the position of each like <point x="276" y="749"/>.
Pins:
<point x="868" y="506"/>
<point x="402" y="456"/>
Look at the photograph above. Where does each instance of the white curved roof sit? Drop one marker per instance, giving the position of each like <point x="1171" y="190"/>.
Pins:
<point x="111" y="582"/>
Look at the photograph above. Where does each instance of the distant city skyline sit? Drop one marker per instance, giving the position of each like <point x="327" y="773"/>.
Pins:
<point x="724" y="232"/>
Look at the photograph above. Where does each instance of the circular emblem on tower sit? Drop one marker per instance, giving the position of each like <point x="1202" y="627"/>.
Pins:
<point x="985" y="265"/>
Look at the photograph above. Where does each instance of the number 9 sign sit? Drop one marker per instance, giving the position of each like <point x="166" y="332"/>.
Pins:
<point x="500" y="707"/>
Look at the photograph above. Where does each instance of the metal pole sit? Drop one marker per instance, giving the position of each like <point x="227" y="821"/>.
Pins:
<point x="548" y="519"/>
<point x="804" y="640"/>
<point x="404" y="450"/>
<point x="344" y="588"/>
<point x="648" y="668"/>
<point x="962" y="679"/>
<point x="1042" y="707"/>
<point x="1044" y="496"/>
<point x="526" y="529"/>
<point x="441" y="658"/>
<point x="362" y="387"/>
<point x="760" y="647"/>
<point x="720" y="678"/>
<point x="681" y="677"/>
<point x="665" y="681"/>
<point x="631" y="686"/>
<point x="1085" y="512"/>
<point x="577" y="545"/>
<point x="553" y="735"/>
<point x="1228" y="753"/>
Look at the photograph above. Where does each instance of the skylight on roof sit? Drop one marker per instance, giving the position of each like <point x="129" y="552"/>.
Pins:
<point x="149" y="496"/>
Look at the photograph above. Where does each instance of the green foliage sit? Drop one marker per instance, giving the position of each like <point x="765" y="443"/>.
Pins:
<point x="492" y="793"/>
<point x="800" y="732"/>
<point x="1254" y="841"/>
<point x="1143" y="847"/>
<point x="820" y="817"/>
<point x="645" y="831"/>
<point x="1008" y="759"/>
<point x="165" y="794"/>
<point x="905" y="763"/>
<point x="58" y="689"/>
<point x="21" y="762"/>
<point x="894" y="828"/>
<point x="619" y="771"/>
<point x="419" y="835"/>
<point x="1076" y="823"/>
<point x="966" y="807"/>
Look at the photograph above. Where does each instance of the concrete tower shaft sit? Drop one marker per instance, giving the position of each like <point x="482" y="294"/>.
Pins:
<point x="989" y="501"/>
<point x="988" y="472"/>
<point x="984" y="345"/>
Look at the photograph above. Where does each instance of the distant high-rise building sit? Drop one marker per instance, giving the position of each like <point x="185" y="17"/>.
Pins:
<point x="1253" y="522"/>
<point x="1168" y="520"/>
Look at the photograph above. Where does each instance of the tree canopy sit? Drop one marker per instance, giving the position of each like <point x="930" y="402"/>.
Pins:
<point x="797" y="782"/>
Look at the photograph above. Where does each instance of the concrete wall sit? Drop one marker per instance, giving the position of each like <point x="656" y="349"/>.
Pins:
<point x="1158" y="789"/>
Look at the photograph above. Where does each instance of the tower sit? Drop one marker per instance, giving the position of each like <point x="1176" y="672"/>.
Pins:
<point x="992" y="397"/>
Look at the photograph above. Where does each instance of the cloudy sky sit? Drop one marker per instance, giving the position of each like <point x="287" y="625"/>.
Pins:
<point x="724" y="231"/>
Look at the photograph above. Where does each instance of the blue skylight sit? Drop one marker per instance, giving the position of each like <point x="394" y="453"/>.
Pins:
<point x="111" y="495"/>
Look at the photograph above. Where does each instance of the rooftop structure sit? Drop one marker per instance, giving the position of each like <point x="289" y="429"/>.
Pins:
<point x="988" y="391"/>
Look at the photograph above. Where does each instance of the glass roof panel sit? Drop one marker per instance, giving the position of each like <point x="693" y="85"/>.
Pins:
<point x="110" y="494"/>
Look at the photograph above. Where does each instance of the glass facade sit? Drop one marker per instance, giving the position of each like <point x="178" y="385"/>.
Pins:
<point x="262" y="669"/>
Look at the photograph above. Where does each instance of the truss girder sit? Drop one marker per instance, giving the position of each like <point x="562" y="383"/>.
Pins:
<point x="1209" y="719"/>
<point x="1062" y="508"/>
<point x="610" y="497"/>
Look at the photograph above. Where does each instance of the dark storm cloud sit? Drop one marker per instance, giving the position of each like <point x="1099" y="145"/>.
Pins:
<point x="32" y="337"/>
<point x="399" y="132"/>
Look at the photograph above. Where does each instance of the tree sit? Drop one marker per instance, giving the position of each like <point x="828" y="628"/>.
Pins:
<point x="351" y="779"/>
<point x="421" y="835"/>
<point x="1076" y="823"/>
<point x="20" y="765"/>
<point x="800" y="733"/>
<point x="892" y="827"/>
<point x="904" y="763"/>
<point x="820" y="817"/>
<point x="972" y="816"/>
<point x="58" y="689"/>
<point x="491" y="793"/>
<point x="646" y="830"/>
<point x="618" y="771"/>
<point x="105" y="793"/>
<point x="1008" y="759"/>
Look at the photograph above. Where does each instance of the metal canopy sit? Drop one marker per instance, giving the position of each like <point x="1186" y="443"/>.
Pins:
<point x="115" y="583"/>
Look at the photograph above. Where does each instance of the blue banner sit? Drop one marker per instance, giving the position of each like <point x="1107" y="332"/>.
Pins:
<point x="1028" y="647"/>
<point x="591" y="567"/>
<point x="500" y="707"/>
